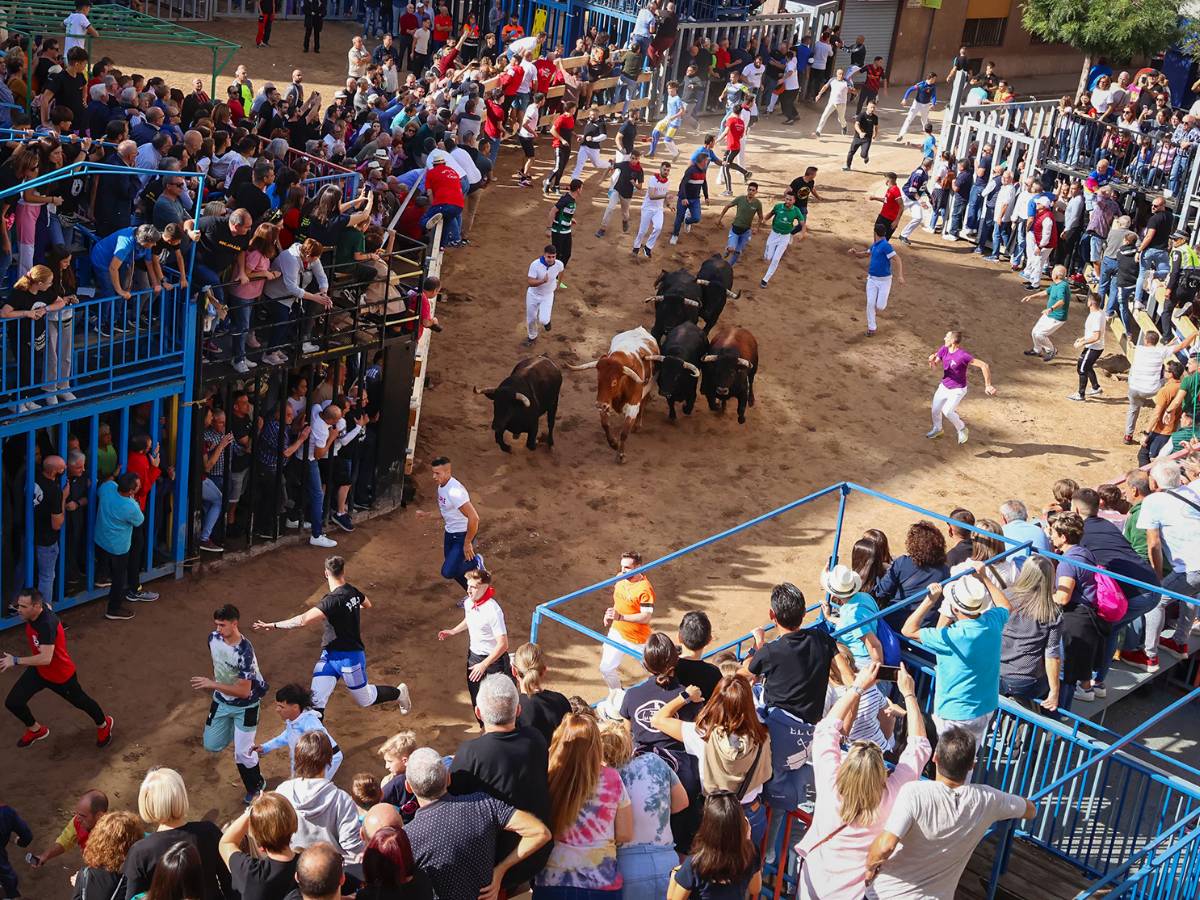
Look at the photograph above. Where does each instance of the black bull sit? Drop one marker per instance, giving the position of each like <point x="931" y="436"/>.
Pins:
<point x="679" y="366"/>
<point x="521" y="399"/>
<point x="682" y="297"/>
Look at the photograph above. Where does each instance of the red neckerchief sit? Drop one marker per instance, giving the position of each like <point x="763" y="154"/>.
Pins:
<point x="660" y="178"/>
<point x="489" y="594"/>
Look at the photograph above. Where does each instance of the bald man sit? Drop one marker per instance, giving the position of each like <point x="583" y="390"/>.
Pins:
<point x="91" y="806"/>
<point x="319" y="872"/>
<point x="381" y="815"/>
<point x="48" y="518"/>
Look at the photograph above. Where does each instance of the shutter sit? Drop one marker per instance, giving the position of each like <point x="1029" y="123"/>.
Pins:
<point x="988" y="9"/>
<point x="873" y="19"/>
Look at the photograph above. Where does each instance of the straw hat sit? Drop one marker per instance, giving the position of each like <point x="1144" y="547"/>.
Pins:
<point x="968" y="595"/>
<point x="841" y="581"/>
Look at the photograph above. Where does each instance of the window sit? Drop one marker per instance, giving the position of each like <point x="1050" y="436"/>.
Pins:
<point x="984" y="32"/>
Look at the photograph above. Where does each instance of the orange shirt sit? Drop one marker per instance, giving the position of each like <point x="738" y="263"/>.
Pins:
<point x="629" y="599"/>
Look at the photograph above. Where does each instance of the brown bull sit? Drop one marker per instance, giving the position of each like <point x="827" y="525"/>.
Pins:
<point x="624" y="377"/>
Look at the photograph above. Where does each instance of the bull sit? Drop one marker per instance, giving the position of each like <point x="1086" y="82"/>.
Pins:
<point x="624" y="376"/>
<point x="679" y="366"/>
<point x="520" y="400"/>
<point x="715" y="280"/>
<point x="678" y="298"/>
<point x="729" y="368"/>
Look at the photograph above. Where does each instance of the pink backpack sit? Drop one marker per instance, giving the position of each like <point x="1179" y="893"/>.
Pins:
<point x="1111" y="604"/>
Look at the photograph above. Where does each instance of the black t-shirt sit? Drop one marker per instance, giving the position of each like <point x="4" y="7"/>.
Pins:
<point x="626" y="135"/>
<point x="960" y="62"/>
<point x="145" y="854"/>
<point x="795" y="670"/>
<point x="94" y="883"/>
<point x="23" y="301"/>
<point x="1161" y="223"/>
<point x="48" y="501"/>
<point x="420" y="888"/>
<point x="262" y="879"/>
<point x="960" y="552"/>
<point x="803" y="189"/>
<point x="508" y="765"/>
<point x="543" y="711"/>
<point x="867" y="123"/>
<point x="702" y="889"/>
<point x="249" y="197"/>
<point x="703" y="675"/>
<point x="241" y="426"/>
<point x="218" y="246"/>
<point x="1114" y="552"/>
<point x="628" y="174"/>
<point x="640" y="704"/>
<point x="396" y="792"/>
<point x="342" y="607"/>
<point x="68" y="91"/>
<point x="71" y="190"/>
<point x="328" y="233"/>
<point x="858" y="55"/>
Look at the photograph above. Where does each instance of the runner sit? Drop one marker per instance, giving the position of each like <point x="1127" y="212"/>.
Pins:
<point x="294" y="703"/>
<point x="462" y="524"/>
<point x="687" y="201"/>
<point x="915" y="197"/>
<point x="237" y="687"/>
<point x="48" y="667"/>
<point x="879" y="273"/>
<point x="889" y="213"/>
<point x="594" y="134"/>
<point x="786" y="220"/>
<point x="539" y="295"/>
<point x="658" y="188"/>
<point x="839" y="94"/>
<point x="924" y="99"/>
<point x="562" y="221"/>
<point x="627" y="620"/>
<point x="866" y="123"/>
<point x="745" y="209"/>
<point x="342" y="655"/>
<point x="669" y="124"/>
<point x="954" y="361"/>
<point x="627" y="175"/>
<point x="733" y="132"/>
<point x="526" y="135"/>
<point x="562" y="132"/>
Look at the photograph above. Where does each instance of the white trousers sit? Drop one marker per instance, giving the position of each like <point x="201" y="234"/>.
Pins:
<point x="538" y="308"/>
<point x="586" y="155"/>
<point x="916" y="214"/>
<point x="945" y="403"/>
<point x="830" y="108"/>
<point x="610" y="658"/>
<point x="777" y="245"/>
<point x="651" y="223"/>
<point x="59" y="365"/>
<point x="915" y="110"/>
<point x="613" y="200"/>
<point x="1037" y="258"/>
<point x="1042" y="329"/>
<point x="878" y="289"/>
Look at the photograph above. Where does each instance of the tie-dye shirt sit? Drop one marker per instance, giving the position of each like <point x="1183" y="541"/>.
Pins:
<point x="585" y="856"/>
<point x="649" y="780"/>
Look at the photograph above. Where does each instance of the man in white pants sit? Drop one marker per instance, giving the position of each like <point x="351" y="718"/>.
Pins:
<point x="914" y="196"/>
<point x="1054" y="316"/>
<point x="589" y="144"/>
<point x="650" y="226"/>
<point x="1040" y="242"/>
<point x="786" y="219"/>
<point x="627" y="620"/>
<point x="924" y="98"/>
<point x="839" y="93"/>
<point x="879" y="273"/>
<point x="539" y="296"/>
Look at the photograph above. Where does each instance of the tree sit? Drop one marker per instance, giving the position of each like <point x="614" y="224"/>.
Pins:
<point x="1115" y="29"/>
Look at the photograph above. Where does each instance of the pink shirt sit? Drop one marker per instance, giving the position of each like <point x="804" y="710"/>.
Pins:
<point x="839" y="864"/>
<point x="255" y="262"/>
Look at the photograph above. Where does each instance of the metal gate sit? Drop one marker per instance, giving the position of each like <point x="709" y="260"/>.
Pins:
<point x="875" y="20"/>
<point x="180" y="10"/>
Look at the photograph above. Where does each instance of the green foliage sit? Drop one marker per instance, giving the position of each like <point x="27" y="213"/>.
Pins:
<point x="1116" y="29"/>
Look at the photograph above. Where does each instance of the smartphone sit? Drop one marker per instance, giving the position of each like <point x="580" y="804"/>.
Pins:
<point x="888" y="673"/>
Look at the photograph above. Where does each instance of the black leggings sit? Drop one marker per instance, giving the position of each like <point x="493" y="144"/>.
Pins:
<point x="730" y="165"/>
<point x="30" y="683"/>
<point x="1087" y="369"/>
<point x="561" y="155"/>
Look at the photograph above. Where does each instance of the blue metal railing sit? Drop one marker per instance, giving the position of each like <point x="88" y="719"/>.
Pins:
<point x="347" y="181"/>
<point x="1170" y="859"/>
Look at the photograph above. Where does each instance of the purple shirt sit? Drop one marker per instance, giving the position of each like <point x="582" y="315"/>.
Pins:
<point x="954" y="366"/>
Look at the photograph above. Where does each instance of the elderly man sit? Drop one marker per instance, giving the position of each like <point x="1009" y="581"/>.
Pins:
<point x="150" y="127"/>
<point x="455" y="838"/>
<point x="319" y="873"/>
<point x="1186" y="137"/>
<point x="1016" y="525"/>
<point x="114" y="260"/>
<point x="219" y="241"/>
<point x="112" y="208"/>
<point x="1040" y="242"/>
<point x="151" y="153"/>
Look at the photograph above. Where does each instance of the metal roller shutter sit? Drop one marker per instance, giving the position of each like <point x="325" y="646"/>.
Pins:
<point x="873" y="19"/>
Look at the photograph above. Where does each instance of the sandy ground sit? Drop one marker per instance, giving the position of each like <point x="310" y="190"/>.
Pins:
<point x="832" y="405"/>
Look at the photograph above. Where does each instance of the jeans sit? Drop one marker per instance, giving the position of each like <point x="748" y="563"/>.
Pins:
<point x="1000" y="235"/>
<point x="1152" y="259"/>
<point x="1139" y="605"/>
<point x="756" y="815"/>
<point x="1018" y="238"/>
<point x="958" y="209"/>
<point x="47" y="568"/>
<point x="646" y="870"/>
<point x="202" y="276"/>
<point x="210" y="505"/>
<point x="626" y="91"/>
<point x="1186" y="583"/>
<point x="1149" y="452"/>
<point x="116" y="309"/>
<point x="1024" y="687"/>
<point x="688" y="207"/>
<point x="454" y="565"/>
<point x="451" y="221"/>
<point x="1118" y="302"/>
<point x="1107" y="288"/>
<point x="241" y="325"/>
<point x="737" y="244"/>
<point x="315" y="495"/>
<point x="986" y="228"/>
<point x="371" y="23"/>
<point x="974" y="202"/>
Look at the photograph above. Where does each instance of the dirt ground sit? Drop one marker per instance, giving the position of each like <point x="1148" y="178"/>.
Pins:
<point x="832" y="405"/>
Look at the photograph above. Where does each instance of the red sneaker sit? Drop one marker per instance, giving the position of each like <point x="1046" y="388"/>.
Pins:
<point x="1140" y="659"/>
<point x="104" y="732"/>
<point x="1175" y="646"/>
<point x="30" y="736"/>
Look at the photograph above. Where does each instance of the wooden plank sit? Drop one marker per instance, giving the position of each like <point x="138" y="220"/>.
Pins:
<point x="1031" y="872"/>
<point x="1185" y="326"/>
<point x="1144" y="321"/>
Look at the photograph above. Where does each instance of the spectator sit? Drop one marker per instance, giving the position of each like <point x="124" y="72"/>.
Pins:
<point x="389" y="871"/>
<point x="655" y="793"/>
<point x="320" y="872"/>
<point x="483" y="620"/>
<point x="695" y="634"/>
<point x="271" y="823"/>
<point x="870" y="558"/>
<point x="326" y="813"/>
<point x="922" y="564"/>
<point x="299" y="268"/>
<point x="104" y="856"/>
<point x="257" y="270"/>
<point x="179" y="874"/>
<point x="11" y="824"/>
<point x="395" y="752"/>
<point x="117" y="515"/>
<point x="215" y="455"/>
<point x="49" y="515"/>
<point x="1031" y="644"/>
<point x="1015" y="517"/>
<point x="590" y="815"/>
<point x="723" y="862"/>
<point x="294" y="703"/>
<point x="77" y="832"/>
<point x="144" y="460"/>
<point x="959" y="536"/>
<point x="933" y="827"/>
<point x="1169" y="517"/>
<point x="540" y="708"/>
<point x="1084" y="632"/>
<point x="854" y="606"/>
<point x="983" y="548"/>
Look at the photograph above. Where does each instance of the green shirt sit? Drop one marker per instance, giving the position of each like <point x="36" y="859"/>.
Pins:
<point x="744" y="210"/>
<point x="1180" y="436"/>
<point x="564" y="215"/>
<point x="352" y="241"/>
<point x="785" y="219"/>
<point x="1189" y="386"/>
<point x="1136" y="536"/>
<point x="1059" y="291"/>
<point x="106" y="461"/>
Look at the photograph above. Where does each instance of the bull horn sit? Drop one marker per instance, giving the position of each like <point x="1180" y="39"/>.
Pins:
<point x="744" y="362"/>
<point x="695" y="371"/>
<point x="590" y="365"/>
<point x="732" y="295"/>
<point x="712" y="357"/>
<point x="655" y="358"/>
<point x="475" y="389"/>
<point x="524" y="400"/>
<point x="655" y="299"/>
<point x="695" y="303"/>
<point x="632" y="374"/>
<point x="703" y="282"/>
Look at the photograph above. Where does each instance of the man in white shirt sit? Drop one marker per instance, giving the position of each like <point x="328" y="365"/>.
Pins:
<point x="321" y="437"/>
<point x="539" y="296"/>
<point x="1146" y="374"/>
<point x="1171" y="519"/>
<point x="644" y="25"/>
<point x="934" y="826"/>
<point x="78" y="27"/>
<point x="822" y="51"/>
<point x="658" y="189"/>
<point x="839" y="93"/>
<point x="462" y="524"/>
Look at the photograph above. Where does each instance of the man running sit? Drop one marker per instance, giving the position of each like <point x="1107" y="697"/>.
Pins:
<point x="562" y="221"/>
<point x="879" y="273"/>
<point x="237" y="686"/>
<point x="627" y="175"/>
<point x="526" y="136"/>
<point x="539" y="295"/>
<point x="733" y="132"/>
<point x="692" y="186"/>
<point x="666" y="127"/>
<point x="786" y="219"/>
<point x="342" y="654"/>
<point x="889" y="213"/>
<point x="627" y="620"/>
<point x="865" y="125"/>
<point x="562" y="133"/>
<point x="658" y="188"/>
<point x="594" y="134"/>
<point x="839" y="94"/>
<point x="915" y="197"/>
<point x="48" y="667"/>
<point x="462" y="524"/>
<point x="744" y="211"/>
<point x="950" y="392"/>
<point x="924" y="99"/>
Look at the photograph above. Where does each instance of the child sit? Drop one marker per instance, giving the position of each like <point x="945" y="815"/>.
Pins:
<point x="1113" y="505"/>
<point x="395" y="752"/>
<point x="1064" y="490"/>
<point x="366" y="793"/>
<point x="1053" y="317"/>
<point x="929" y="145"/>
<point x="11" y="822"/>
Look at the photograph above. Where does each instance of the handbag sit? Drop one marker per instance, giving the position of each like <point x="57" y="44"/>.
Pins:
<point x="1111" y="604"/>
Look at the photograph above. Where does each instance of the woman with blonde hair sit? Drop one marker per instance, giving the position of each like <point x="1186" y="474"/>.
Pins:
<point x="104" y="855"/>
<point x="541" y="708"/>
<point x="731" y="745"/>
<point x="163" y="803"/>
<point x="28" y="304"/>
<point x="1031" y="645"/>
<point x="590" y="815"/>
<point x="271" y="873"/>
<point x="855" y="793"/>
<point x="655" y="793"/>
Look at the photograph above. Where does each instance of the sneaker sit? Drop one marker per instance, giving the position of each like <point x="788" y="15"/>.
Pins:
<point x="646" y="250"/>
<point x="141" y="596"/>
<point x="66" y="396"/>
<point x="726" y="193"/>
<point x="31" y="736"/>
<point x="746" y="176"/>
<point x="292" y="523"/>
<point x="404" y="701"/>
<point x="763" y="283"/>
<point x="1139" y="659"/>
<point x="50" y="400"/>
<point x="674" y="239"/>
<point x="905" y="241"/>
<point x="1032" y="353"/>
<point x="103" y="582"/>
<point x="1100" y="689"/>
<point x="635" y="251"/>
<point x="1092" y="392"/>
<point x="322" y="540"/>
<point x="251" y="796"/>
<point x="1085" y="694"/>
<point x="242" y="367"/>
<point x="624" y="228"/>
<point x="309" y="347"/>
<point x="211" y="546"/>
<point x="962" y="436"/>
<point x="28" y="407"/>
<point x="120" y="614"/>
<point x="1049" y="356"/>
<point x="1128" y="439"/>
<point x="600" y="232"/>
<point x="1174" y="646"/>
<point x="845" y="168"/>
<point x="546" y="326"/>
<point x="949" y="236"/>
<point x="1076" y="396"/>
<point x="342" y="521"/>
<point x="104" y="732"/>
<point x="933" y="434"/>
<point x="361" y="507"/>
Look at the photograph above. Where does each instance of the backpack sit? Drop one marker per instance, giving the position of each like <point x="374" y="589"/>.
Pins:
<point x="1111" y="604"/>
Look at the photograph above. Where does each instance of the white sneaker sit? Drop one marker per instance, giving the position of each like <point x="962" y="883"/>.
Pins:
<point x="949" y="236"/>
<point x="251" y="363"/>
<point x="293" y="523"/>
<point x="404" y="701"/>
<point x="322" y="541"/>
<point x="962" y="436"/>
<point x="687" y="227"/>
<point x="50" y="400"/>
<point x="674" y="239"/>
<point x="28" y="407"/>
<point x="1092" y="392"/>
<point x="309" y="347"/>
<point x="242" y="366"/>
<point x="66" y="396"/>
<point x="933" y="433"/>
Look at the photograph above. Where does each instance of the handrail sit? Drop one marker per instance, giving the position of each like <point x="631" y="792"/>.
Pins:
<point x="1190" y="819"/>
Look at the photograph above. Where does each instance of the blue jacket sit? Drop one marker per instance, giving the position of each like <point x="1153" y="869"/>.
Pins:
<point x="116" y="517"/>
<point x="11" y="823"/>
<point x="904" y="581"/>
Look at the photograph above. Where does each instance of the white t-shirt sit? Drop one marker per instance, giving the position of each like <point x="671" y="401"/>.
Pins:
<point x="753" y="75"/>
<point x="77" y="25"/>
<point x="1095" y="324"/>
<point x="521" y="46"/>
<point x="1005" y="194"/>
<point x="791" y="81"/>
<point x="694" y="745"/>
<point x="421" y="40"/>
<point x="645" y="19"/>
<point x="538" y="269"/>
<point x="1145" y="373"/>
<point x="1102" y="99"/>
<point x="939" y="828"/>
<point x="318" y="435"/>
<point x="529" y="122"/>
<point x="528" y="77"/>
<point x="485" y="625"/>
<point x="451" y="497"/>
<point x="656" y="193"/>
<point x="839" y="90"/>
<point x="1179" y="523"/>
<point x="822" y="50"/>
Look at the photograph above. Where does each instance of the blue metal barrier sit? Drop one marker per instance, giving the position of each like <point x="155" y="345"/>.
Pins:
<point x="347" y="181"/>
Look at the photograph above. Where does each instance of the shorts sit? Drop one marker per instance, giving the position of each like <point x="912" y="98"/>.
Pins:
<point x="343" y="472"/>
<point x="526" y="146"/>
<point x="223" y="719"/>
<point x="237" y="484"/>
<point x="1097" y="248"/>
<point x="664" y="127"/>
<point x="348" y="665"/>
<point x="520" y="101"/>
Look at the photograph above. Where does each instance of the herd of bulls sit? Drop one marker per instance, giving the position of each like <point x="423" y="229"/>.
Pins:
<point x="720" y="361"/>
